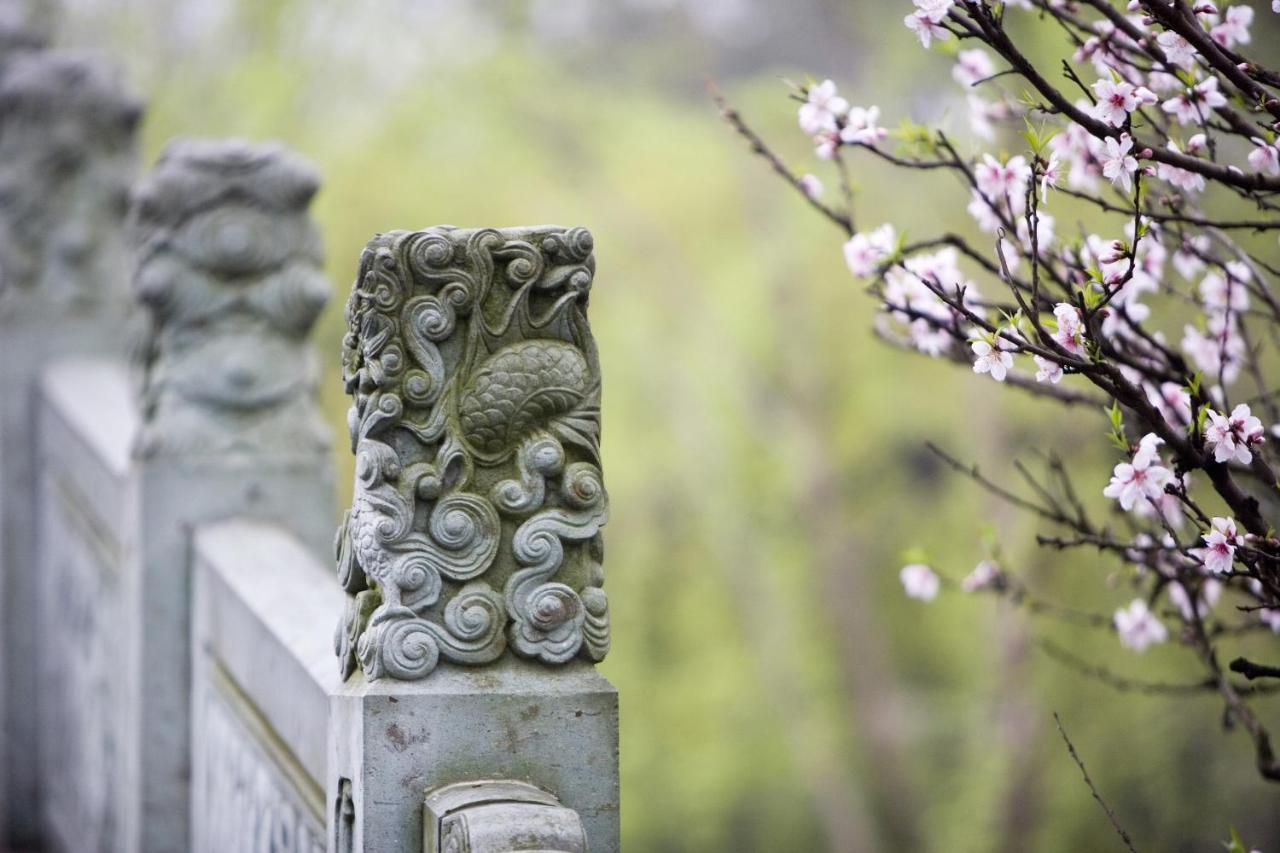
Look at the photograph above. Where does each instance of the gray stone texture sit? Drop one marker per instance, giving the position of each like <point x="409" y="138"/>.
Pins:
<point x="67" y="156"/>
<point x="475" y="421"/>
<point x="386" y="743"/>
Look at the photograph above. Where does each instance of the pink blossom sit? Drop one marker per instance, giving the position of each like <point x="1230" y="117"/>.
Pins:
<point x="860" y="127"/>
<point x="919" y="581"/>
<point x="864" y="252"/>
<point x="929" y="339"/>
<point x="819" y="112"/>
<point x="1142" y="479"/>
<point x="1173" y="401"/>
<point x="1227" y="292"/>
<point x="1117" y="99"/>
<point x="825" y="144"/>
<point x="924" y="21"/>
<point x="1007" y="180"/>
<point x="1191" y="106"/>
<point x="1219" y="350"/>
<point x="1234" y="28"/>
<point x="1118" y="164"/>
<point x="988" y="220"/>
<point x="1187" y="257"/>
<point x="1265" y="157"/>
<point x="1180" y="597"/>
<point x="1050" y="174"/>
<point x="810" y="185"/>
<point x="1219" y="549"/>
<point x="991" y="360"/>
<point x="1230" y="437"/>
<point x="1070" y="332"/>
<point x="1177" y="49"/>
<point x="972" y="66"/>
<point x="1047" y="371"/>
<point x="1138" y="627"/>
<point x="1183" y="179"/>
<point x="984" y="575"/>
<point x="1270" y="616"/>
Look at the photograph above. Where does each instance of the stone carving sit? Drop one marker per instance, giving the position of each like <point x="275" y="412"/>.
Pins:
<point x="83" y="735"/>
<point x="246" y="802"/>
<point x="24" y="25"/>
<point x="229" y="266"/>
<point x="476" y="426"/>
<point x="68" y="154"/>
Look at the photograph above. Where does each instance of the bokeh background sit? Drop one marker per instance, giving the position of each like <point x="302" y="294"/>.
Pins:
<point x="764" y="453"/>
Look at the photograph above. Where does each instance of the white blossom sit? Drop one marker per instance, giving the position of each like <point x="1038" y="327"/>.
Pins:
<point x="924" y="21"/>
<point x="1144" y="478"/>
<point x="1177" y="49"/>
<point x="821" y="109"/>
<point x="1138" y="627"/>
<point x="1118" y="165"/>
<point x="989" y="359"/>
<point x="919" y="581"/>
<point x="810" y="185"/>
<point x="1191" y="106"/>
<point x="984" y="575"/>
<point x="1230" y="437"/>
<point x="860" y="127"/>
<point x="972" y="66"/>
<point x="1210" y="592"/>
<point x="1117" y="99"/>
<point x="1183" y="179"/>
<point x="864" y="252"/>
<point x="1220" y="543"/>
<point x="1047" y="370"/>
<point x="1264" y="157"/>
<point x="1234" y="28"/>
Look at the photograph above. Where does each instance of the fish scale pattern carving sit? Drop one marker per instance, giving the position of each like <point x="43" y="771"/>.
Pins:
<point x="475" y="422"/>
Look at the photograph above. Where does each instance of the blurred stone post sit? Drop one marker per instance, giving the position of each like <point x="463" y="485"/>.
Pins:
<point x="67" y="157"/>
<point x="472" y="554"/>
<point x="229" y="268"/>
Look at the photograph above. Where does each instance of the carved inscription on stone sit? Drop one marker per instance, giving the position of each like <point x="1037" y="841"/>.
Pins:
<point x="476" y="427"/>
<point x="246" y="800"/>
<point x="81" y="702"/>
<point x="229" y="268"/>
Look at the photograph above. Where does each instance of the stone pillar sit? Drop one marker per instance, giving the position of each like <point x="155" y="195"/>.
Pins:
<point x="472" y="553"/>
<point x="67" y="157"/>
<point x="229" y="269"/>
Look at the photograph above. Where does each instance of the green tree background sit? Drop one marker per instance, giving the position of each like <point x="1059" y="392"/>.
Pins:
<point x="763" y="452"/>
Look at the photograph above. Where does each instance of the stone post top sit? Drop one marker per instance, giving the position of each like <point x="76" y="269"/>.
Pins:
<point x="475" y="421"/>
<point x="229" y="266"/>
<point x="68" y="155"/>
<point x="193" y="174"/>
<point x="69" y="85"/>
<point x="24" y="25"/>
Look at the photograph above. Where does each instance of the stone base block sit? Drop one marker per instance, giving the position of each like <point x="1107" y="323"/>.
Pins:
<point x="556" y="728"/>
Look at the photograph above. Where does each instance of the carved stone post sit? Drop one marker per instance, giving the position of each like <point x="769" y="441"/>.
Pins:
<point x="229" y="269"/>
<point x="67" y="157"/>
<point x="474" y="534"/>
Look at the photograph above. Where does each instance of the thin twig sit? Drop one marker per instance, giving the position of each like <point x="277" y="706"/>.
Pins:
<point x="1111" y="816"/>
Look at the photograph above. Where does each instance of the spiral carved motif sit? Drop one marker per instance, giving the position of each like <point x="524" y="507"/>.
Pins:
<point x="475" y="423"/>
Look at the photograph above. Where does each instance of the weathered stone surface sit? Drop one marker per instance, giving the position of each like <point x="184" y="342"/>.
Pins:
<point x="67" y="156"/>
<point x="86" y="759"/>
<point x="25" y="25"/>
<point x="476" y="426"/>
<point x="379" y="747"/>
<point x="229" y="266"/>
<point x="68" y="153"/>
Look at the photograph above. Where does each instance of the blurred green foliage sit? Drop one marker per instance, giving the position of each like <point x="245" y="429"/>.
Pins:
<point x="764" y="453"/>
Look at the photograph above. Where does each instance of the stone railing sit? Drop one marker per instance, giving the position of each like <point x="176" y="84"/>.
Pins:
<point x="183" y="667"/>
